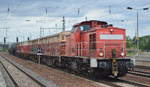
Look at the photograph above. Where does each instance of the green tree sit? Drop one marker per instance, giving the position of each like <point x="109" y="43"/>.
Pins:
<point x="145" y="43"/>
<point x="130" y="42"/>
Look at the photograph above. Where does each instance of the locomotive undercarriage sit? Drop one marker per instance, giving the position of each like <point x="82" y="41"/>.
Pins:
<point x="104" y="67"/>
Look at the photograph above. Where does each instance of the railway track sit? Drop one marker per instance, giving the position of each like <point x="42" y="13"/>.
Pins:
<point x="108" y="82"/>
<point x="8" y="80"/>
<point x="119" y="82"/>
<point x="20" y="77"/>
<point x="132" y="83"/>
<point x="143" y="67"/>
<point x="140" y="73"/>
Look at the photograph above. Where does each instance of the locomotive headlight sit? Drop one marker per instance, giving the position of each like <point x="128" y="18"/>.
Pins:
<point x="122" y="54"/>
<point x="111" y="30"/>
<point x="113" y="60"/>
<point x="101" y="54"/>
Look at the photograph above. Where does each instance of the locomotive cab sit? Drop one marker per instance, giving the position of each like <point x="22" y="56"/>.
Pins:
<point x="98" y="39"/>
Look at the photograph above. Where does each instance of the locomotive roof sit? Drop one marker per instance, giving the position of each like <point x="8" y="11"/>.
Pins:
<point x="87" y="22"/>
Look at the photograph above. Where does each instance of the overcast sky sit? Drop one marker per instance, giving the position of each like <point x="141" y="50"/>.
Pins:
<point x="23" y="18"/>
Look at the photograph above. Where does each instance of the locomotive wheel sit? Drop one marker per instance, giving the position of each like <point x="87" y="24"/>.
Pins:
<point x="122" y="69"/>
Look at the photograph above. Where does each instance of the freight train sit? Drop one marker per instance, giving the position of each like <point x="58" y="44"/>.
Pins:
<point x="91" y="47"/>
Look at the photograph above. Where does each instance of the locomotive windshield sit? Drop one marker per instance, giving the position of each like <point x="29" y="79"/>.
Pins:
<point x="111" y="37"/>
<point x="85" y="27"/>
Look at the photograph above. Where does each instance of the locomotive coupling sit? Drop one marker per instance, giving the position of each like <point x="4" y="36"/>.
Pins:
<point x="114" y="67"/>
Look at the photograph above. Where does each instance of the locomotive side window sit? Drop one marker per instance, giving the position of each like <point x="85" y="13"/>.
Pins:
<point x="111" y="37"/>
<point x="85" y="27"/>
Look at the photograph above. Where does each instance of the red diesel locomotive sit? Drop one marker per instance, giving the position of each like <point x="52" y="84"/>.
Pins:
<point x="92" y="47"/>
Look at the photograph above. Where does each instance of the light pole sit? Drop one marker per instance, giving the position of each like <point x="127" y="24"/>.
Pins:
<point x="137" y="25"/>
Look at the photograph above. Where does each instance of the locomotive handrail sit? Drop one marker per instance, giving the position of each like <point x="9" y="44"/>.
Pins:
<point x="81" y="47"/>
